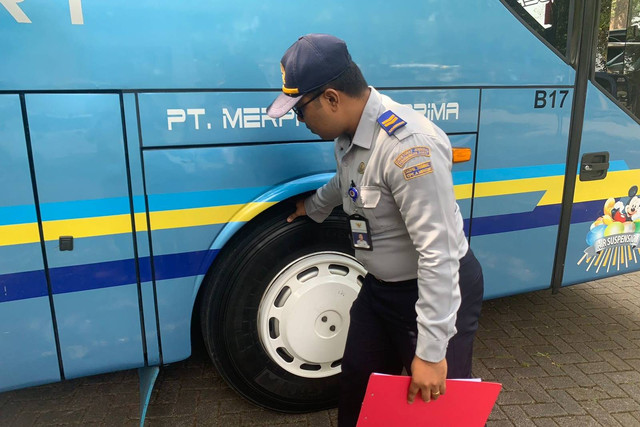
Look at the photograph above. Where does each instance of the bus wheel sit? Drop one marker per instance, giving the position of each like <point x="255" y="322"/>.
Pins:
<point x="275" y="310"/>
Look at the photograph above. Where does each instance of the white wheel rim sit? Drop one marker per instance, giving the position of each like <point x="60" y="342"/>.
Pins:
<point x="303" y="316"/>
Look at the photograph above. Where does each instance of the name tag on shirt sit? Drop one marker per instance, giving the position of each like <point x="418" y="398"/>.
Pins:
<point x="360" y="233"/>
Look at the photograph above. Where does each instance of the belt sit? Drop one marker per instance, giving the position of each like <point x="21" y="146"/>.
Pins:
<point x="402" y="283"/>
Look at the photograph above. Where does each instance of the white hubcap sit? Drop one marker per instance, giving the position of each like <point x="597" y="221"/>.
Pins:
<point x="303" y="316"/>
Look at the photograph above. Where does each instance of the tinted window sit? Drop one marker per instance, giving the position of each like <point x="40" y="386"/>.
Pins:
<point x="617" y="62"/>
<point x="549" y="18"/>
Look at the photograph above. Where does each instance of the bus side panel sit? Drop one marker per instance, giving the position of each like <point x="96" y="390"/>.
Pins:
<point x="193" y="193"/>
<point x="599" y="246"/>
<point x="522" y="145"/>
<point x="181" y="258"/>
<point x="81" y="176"/>
<point x="206" y="44"/>
<point x="142" y="234"/>
<point x="27" y="345"/>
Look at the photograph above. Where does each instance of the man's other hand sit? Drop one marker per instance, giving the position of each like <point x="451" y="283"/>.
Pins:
<point x="427" y="377"/>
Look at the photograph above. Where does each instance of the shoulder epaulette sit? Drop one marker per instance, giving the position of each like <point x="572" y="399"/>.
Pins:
<point x="390" y="122"/>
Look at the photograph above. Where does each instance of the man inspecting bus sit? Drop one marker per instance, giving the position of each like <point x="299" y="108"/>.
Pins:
<point x="419" y="305"/>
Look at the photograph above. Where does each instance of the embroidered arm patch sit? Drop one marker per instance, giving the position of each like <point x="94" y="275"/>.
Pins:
<point x="417" y="170"/>
<point x="390" y="122"/>
<point x="411" y="153"/>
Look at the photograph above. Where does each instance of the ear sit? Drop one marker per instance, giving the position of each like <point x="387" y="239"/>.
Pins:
<point x="633" y="191"/>
<point x="333" y="97"/>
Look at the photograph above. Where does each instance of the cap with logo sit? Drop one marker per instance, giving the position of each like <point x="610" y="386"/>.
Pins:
<point x="311" y="62"/>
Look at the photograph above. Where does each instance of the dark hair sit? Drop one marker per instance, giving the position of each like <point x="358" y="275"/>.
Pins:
<point x="351" y="82"/>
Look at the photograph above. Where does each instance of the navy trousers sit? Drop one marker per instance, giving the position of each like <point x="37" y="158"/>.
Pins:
<point x="383" y="334"/>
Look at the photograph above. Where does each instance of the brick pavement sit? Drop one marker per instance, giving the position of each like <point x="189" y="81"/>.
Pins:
<point x="571" y="359"/>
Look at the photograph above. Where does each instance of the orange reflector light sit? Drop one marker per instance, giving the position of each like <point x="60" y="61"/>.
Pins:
<point x="461" y="155"/>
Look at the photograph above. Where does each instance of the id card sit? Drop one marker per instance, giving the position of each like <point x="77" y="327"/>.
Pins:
<point x="360" y="233"/>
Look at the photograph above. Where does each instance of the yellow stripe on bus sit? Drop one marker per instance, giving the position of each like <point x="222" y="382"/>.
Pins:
<point x="87" y="227"/>
<point x="119" y="224"/>
<point x="552" y="186"/>
<point x="615" y="185"/>
<point x="141" y="221"/>
<point x="162" y="220"/>
<point x="19" y="234"/>
<point x="463" y="191"/>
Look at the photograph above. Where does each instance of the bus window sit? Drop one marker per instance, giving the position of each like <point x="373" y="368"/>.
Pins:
<point x="617" y="64"/>
<point x="548" y="18"/>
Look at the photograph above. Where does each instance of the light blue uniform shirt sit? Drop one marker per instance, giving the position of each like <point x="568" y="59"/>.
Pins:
<point x="406" y="194"/>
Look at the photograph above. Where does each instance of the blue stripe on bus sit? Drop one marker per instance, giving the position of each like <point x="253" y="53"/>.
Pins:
<point x="25" y="285"/>
<point x="525" y="172"/>
<point x="183" y="264"/>
<point x="542" y="171"/>
<point x="541" y="216"/>
<point x="92" y="276"/>
<point x="75" y="209"/>
<point x="203" y="199"/>
<point x="85" y="208"/>
<point x="24" y="214"/>
<point x="587" y="211"/>
<point x="31" y="284"/>
<point x="122" y="272"/>
<point x="462" y="177"/>
<point x="618" y="165"/>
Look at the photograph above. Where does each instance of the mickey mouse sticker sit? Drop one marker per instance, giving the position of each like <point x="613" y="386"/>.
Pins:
<point x="613" y="237"/>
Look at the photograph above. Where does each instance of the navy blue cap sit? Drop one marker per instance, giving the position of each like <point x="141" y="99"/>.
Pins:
<point x="310" y="63"/>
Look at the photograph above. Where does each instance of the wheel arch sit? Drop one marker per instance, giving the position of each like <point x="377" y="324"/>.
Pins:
<point x="251" y="213"/>
<point x="265" y="202"/>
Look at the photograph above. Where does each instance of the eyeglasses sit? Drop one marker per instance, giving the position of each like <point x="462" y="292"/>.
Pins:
<point x="299" y="109"/>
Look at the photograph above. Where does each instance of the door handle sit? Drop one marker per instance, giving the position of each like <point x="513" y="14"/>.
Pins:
<point x="594" y="166"/>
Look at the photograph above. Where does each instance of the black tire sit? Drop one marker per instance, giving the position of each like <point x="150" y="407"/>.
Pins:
<point x="233" y="291"/>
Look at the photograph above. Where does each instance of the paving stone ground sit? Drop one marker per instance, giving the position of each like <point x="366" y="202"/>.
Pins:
<point x="570" y="359"/>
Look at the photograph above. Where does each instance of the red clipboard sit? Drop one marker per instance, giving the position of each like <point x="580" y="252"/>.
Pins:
<point x="465" y="404"/>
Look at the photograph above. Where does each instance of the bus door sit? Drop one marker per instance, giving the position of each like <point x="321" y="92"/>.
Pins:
<point x="522" y="149"/>
<point x="28" y="353"/>
<point x="605" y="222"/>
<point x="81" y="176"/>
<point x="523" y="135"/>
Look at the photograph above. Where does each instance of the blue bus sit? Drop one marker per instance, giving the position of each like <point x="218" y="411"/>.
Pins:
<point x="145" y="190"/>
